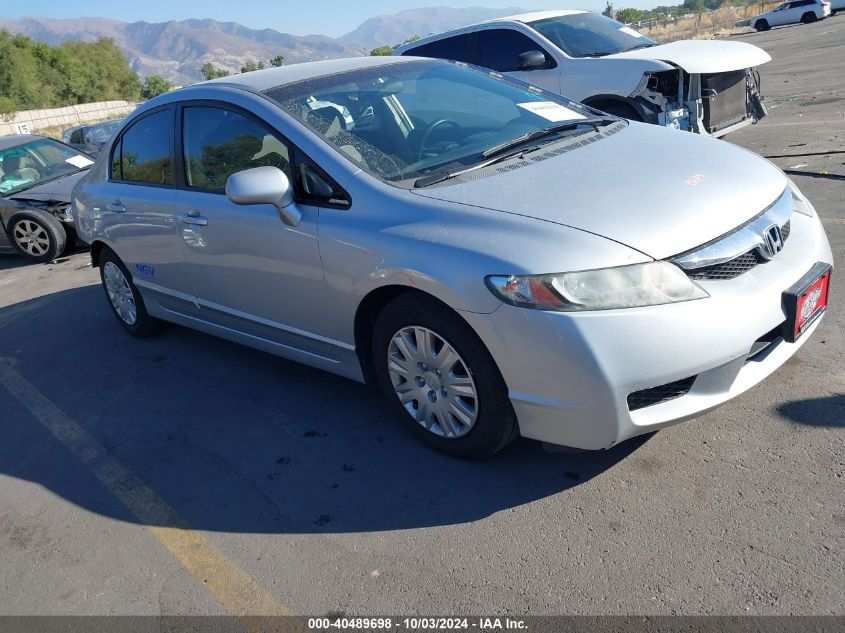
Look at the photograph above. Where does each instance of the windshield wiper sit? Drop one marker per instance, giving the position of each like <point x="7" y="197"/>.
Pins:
<point x="639" y="46"/>
<point x="594" y="122"/>
<point x="500" y="153"/>
<point x="440" y="176"/>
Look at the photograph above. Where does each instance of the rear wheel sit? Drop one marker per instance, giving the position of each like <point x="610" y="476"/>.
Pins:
<point x="123" y="297"/>
<point x="762" y="25"/>
<point x="37" y="235"/>
<point x="808" y="17"/>
<point x="441" y="379"/>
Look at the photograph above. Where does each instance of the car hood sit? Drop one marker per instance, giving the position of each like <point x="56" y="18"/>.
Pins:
<point x="702" y="56"/>
<point x="659" y="191"/>
<point x="58" y="189"/>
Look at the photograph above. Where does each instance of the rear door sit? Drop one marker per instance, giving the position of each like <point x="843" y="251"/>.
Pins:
<point x="136" y="206"/>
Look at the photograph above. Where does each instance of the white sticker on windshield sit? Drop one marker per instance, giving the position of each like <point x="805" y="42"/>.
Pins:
<point x="630" y="31"/>
<point x="79" y="161"/>
<point x="551" y="111"/>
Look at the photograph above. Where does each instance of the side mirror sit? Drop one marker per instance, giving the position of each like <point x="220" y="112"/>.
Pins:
<point x="530" y="60"/>
<point x="264" y="185"/>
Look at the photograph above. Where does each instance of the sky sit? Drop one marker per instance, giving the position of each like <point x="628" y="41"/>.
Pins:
<point x="302" y="17"/>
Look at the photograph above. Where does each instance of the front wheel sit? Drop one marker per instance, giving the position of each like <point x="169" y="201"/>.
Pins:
<point x="37" y="235"/>
<point x="441" y="378"/>
<point x="762" y="25"/>
<point x="126" y="302"/>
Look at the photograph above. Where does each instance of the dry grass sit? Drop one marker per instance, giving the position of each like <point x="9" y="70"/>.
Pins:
<point x="719" y="23"/>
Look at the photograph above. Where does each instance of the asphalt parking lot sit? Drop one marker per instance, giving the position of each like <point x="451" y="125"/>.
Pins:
<point x="187" y="475"/>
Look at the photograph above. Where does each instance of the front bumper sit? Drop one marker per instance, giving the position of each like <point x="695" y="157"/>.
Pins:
<point x="569" y="374"/>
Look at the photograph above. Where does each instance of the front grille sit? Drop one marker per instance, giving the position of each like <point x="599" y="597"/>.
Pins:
<point x="736" y="266"/>
<point x="728" y="270"/>
<point x="663" y="393"/>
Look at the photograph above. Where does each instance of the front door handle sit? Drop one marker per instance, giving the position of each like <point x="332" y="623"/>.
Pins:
<point x="116" y="206"/>
<point x="193" y="217"/>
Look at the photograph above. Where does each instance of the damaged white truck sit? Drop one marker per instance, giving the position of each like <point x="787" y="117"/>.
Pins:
<point x="704" y="86"/>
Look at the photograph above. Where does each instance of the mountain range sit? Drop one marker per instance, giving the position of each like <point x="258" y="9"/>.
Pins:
<point x="177" y="49"/>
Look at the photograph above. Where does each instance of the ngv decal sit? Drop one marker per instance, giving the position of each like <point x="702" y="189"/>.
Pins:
<point x="145" y="269"/>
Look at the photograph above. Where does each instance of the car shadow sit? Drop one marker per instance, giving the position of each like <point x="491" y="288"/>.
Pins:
<point x="827" y="411"/>
<point x="236" y="440"/>
<point x="813" y="174"/>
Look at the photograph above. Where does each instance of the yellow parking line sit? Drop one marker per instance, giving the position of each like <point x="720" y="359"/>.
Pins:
<point x="231" y="586"/>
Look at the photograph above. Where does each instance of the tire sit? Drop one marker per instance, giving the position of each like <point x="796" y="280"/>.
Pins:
<point x="125" y="301"/>
<point x="493" y="422"/>
<point x="621" y="110"/>
<point x="36" y="235"/>
<point x="762" y="25"/>
<point x="808" y="17"/>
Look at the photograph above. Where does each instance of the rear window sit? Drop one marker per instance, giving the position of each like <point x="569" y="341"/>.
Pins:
<point x="143" y="154"/>
<point x="460" y="48"/>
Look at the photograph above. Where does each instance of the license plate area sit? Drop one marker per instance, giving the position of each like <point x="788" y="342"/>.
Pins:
<point x="806" y="301"/>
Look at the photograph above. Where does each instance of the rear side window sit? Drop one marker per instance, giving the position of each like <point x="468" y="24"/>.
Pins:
<point x="219" y="142"/>
<point x="460" y="48"/>
<point x="143" y="154"/>
<point x="501" y="47"/>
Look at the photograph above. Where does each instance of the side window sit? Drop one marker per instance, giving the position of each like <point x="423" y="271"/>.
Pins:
<point x="218" y="142"/>
<point x="501" y="47"/>
<point x="460" y="48"/>
<point x="143" y="153"/>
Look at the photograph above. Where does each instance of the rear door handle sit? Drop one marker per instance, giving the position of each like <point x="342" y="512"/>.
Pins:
<point x="116" y="206"/>
<point x="193" y="217"/>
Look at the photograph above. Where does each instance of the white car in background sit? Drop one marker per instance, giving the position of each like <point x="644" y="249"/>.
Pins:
<point x="708" y="87"/>
<point x="798" y="11"/>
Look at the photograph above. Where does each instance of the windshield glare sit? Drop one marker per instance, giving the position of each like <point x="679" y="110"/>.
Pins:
<point x="28" y="164"/>
<point x="408" y="119"/>
<point x="590" y="35"/>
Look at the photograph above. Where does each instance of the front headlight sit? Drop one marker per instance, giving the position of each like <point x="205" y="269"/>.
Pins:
<point x="653" y="283"/>
<point x="800" y="204"/>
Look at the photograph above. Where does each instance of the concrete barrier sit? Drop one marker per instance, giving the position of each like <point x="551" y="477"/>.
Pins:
<point x="32" y="121"/>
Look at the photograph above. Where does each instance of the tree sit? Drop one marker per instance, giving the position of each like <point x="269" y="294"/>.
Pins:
<point x="36" y="75"/>
<point x="629" y="16"/>
<point x="210" y="71"/>
<point x="381" y="50"/>
<point x="277" y="61"/>
<point x="388" y="50"/>
<point x="251" y="66"/>
<point x="154" y="85"/>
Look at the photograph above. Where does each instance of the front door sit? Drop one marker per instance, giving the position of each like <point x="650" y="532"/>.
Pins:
<point x="252" y="273"/>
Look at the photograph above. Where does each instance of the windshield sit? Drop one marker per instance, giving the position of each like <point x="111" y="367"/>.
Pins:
<point x="102" y="132"/>
<point x="31" y="163"/>
<point x="410" y="118"/>
<point x="590" y="35"/>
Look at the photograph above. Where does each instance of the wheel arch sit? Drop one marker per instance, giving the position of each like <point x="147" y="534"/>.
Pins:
<point x="369" y="308"/>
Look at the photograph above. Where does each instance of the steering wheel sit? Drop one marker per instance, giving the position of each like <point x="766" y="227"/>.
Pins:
<point x="427" y="132"/>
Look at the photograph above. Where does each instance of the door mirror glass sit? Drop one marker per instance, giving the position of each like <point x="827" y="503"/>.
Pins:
<point x="530" y="60"/>
<point x="264" y="185"/>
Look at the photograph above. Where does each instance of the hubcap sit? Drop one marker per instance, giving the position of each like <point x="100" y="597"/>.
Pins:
<point x="120" y="294"/>
<point x="432" y="382"/>
<point x="31" y="237"/>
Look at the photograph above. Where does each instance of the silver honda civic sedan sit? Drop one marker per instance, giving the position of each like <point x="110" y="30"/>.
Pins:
<point x="503" y="261"/>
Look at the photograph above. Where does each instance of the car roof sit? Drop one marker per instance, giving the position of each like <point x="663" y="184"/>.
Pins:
<point x="261" y="80"/>
<point x="523" y="18"/>
<point x="537" y="15"/>
<point x="13" y="140"/>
